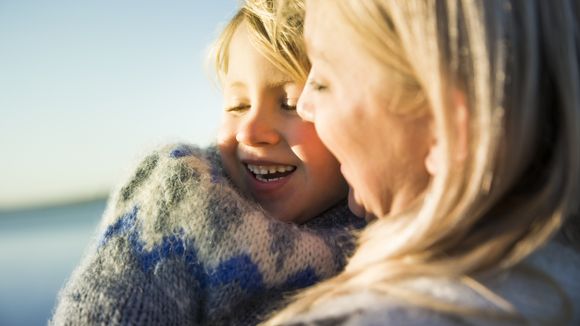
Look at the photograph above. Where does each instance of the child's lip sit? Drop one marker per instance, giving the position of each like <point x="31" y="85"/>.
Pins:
<point x="267" y="190"/>
<point x="261" y="189"/>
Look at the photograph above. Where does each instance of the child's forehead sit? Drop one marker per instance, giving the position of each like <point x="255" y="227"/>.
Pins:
<point x="249" y="63"/>
<point x="247" y="36"/>
<point x="250" y="44"/>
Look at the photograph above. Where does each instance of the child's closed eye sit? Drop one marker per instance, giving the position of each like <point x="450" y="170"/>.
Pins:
<point x="238" y="108"/>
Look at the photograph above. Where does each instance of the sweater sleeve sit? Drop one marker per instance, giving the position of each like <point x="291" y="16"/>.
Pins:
<point x="179" y="245"/>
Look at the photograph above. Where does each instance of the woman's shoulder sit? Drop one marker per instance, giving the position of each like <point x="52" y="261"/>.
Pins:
<point x="560" y="260"/>
<point x="366" y="308"/>
<point x="557" y="267"/>
<point x="534" y="288"/>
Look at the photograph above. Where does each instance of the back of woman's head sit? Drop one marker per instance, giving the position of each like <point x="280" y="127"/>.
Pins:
<point x="278" y="36"/>
<point x="514" y="65"/>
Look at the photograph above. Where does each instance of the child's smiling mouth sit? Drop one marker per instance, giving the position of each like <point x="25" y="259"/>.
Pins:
<point x="270" y="173"/>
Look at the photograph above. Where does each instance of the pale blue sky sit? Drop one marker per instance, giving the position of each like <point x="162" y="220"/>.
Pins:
<point x="87" y="87"/>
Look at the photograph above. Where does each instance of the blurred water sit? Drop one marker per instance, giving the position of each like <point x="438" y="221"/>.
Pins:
<point x="38" y="250"/>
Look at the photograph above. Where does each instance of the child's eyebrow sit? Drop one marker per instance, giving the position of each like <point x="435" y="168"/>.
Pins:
<point x="279" y="83"/>
<point x="271" y="84"/>
<point x="237" y="84"/>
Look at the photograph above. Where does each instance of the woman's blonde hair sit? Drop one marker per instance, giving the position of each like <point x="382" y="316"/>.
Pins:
<point x="516" y="63"/>
<point x="275" y="29"/>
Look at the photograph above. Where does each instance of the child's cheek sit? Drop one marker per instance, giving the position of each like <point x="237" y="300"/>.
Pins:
<point x="228" y="149"/>
<point x="302" y="132"/>
<point x="306" y="144"/>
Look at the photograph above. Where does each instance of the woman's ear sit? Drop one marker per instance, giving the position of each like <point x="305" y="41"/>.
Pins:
<point x="434" y="159"/>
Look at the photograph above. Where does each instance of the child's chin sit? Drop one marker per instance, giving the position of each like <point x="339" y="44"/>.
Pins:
<point x="287" y="218"/>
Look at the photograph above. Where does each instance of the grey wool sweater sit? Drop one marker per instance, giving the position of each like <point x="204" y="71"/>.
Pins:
<point x="178" y="245"/>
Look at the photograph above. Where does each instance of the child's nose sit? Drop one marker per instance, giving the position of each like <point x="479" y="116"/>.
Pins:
<point x="257" y="129"/>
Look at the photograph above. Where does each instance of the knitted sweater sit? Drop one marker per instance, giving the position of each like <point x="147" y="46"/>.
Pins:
<point x="180" y="246"/>
<point x="537" y="301"/>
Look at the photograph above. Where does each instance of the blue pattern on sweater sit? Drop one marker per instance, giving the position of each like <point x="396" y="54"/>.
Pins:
<point x="124" y="223"/>
<point x="181" y="150"/>
<point x="237" y="268"/>
<point x="240" y="268"/>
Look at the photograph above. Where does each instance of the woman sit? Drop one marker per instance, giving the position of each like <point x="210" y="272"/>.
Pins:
<point x="457" y="125"/>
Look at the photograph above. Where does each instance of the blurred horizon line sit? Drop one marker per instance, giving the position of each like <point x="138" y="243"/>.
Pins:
<point x="6" y="208"/>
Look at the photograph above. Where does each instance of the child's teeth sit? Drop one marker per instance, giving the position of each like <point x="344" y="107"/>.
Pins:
<point x="263" y="169"/>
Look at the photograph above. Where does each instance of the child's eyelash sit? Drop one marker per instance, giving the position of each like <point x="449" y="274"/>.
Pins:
<point x="242" y="107"/>
<point x="237" y="108"/>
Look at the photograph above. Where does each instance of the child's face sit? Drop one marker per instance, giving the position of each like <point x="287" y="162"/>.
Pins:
<point x="269" y="152"/>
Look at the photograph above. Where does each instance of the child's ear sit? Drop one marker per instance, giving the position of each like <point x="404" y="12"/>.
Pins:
<point x="434" y="159"/>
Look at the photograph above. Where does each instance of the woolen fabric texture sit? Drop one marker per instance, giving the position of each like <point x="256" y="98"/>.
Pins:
<point x="179" y="245"/>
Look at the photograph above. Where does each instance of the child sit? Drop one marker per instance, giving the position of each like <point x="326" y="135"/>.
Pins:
<point x="269" y="152"/>
<point x="182" y="245"/>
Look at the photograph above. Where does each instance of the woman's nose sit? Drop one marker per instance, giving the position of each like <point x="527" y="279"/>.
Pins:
<point x="257" y="129"/>
<point x="305" y="108"/>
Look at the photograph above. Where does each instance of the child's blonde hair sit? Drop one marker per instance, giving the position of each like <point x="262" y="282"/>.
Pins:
<point x="275" y="30"/>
